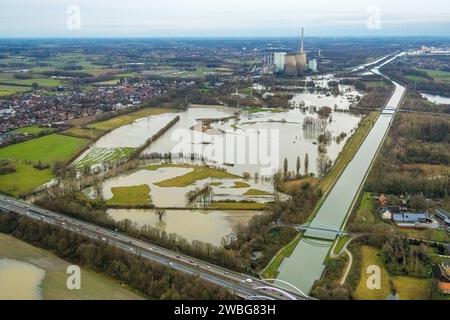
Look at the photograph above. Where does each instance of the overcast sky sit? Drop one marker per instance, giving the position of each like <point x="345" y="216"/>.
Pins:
<point x="181" y="18"/>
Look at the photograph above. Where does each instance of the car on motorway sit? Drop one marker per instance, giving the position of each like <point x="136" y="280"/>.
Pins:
<point x="248" y="280"/>
<point x="171" y="264"/>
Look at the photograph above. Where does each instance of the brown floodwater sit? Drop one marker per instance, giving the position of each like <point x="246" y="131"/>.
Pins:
<point x="20" y="280"/>
<point x="207" y="226"/>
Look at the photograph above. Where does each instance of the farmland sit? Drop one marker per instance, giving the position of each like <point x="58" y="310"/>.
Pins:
<point x="9" y="90"/>
<point x="97" y="155"/>
<point x="33" y="130"/>
<point x="122" y="120"/>
<point x="24" y="180"/>
<point x="48" y="149"/>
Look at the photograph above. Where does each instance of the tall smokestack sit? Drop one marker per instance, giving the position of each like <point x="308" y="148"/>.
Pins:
<point x="301" y="50"/>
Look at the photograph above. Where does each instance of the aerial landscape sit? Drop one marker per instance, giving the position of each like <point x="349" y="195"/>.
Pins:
<point x="271" y="156"/>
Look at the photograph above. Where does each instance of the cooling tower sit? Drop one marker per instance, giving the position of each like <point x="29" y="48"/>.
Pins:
<point x="302" y="65"/>
<point x="290" y="65"/>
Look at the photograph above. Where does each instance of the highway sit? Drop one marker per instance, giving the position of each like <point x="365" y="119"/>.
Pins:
<point x="239" y="284"/>
<point x="306" y="263"/>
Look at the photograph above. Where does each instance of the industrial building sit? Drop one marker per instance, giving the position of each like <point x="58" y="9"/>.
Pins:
<point x="279" y="61"/>
<point x="312" y="65"/>
<point x="296" y="64"/>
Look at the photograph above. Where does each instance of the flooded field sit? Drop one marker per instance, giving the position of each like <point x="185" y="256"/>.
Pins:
<point x="28" y="272"/>
<point x="243" y="142"/>
<point x="120" y="143"/>
<point x="175" y="197"/>
<point x="255" y="142"/>
<point x="20" y="280"/>
<point x="437" y="99"/>
<point x="207" y="226"/>
<point x="135" y="134"/>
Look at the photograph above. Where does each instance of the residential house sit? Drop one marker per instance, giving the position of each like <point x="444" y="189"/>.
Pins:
<point x="387" y="212"/>
<point x="382" y="200"/>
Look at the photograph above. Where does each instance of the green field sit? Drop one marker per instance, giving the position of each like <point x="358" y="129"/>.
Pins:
<point x="9" y="79"/>
<point x="84" y="133"/>
<point x="33" y="130"/>
<point x="199" y="173"/>
<point x="130" y="196"/>
<point x="9" y="90"/>
<point x="430" y="234"/>
<point x="24" y="180"/>
<point x="127" y="118"/>
<point x="408" y="288"/>
<point x="437" y="75"/>
<point x="47" y="149"/>
<point x="94" y="286"/>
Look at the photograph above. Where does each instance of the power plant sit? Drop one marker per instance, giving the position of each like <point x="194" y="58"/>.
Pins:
<point x="296" y="63"/>
<point x="291" y="64"/>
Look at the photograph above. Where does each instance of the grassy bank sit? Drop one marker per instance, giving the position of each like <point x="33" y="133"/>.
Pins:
<point x="256" y="192"/>
<point x="238" y="205"/>
<point x="271" y="271"/>
<point x="93" y="285"/>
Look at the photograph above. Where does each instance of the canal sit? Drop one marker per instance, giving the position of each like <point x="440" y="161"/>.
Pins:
<point x="306" y="263"/>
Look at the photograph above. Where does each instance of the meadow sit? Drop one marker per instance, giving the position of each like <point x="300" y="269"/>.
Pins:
<point x="408" y="288"/>
<point x="48" y="149"/>
<point x="125" y="119"/>
<point x="24" y="180"/>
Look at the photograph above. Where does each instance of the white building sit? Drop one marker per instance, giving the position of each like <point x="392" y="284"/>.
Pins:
<point x="312" y="65"/>
<point x="279" y="60"/>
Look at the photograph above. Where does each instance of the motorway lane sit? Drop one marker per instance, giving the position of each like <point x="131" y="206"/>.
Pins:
<point x="241" y="284"/>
